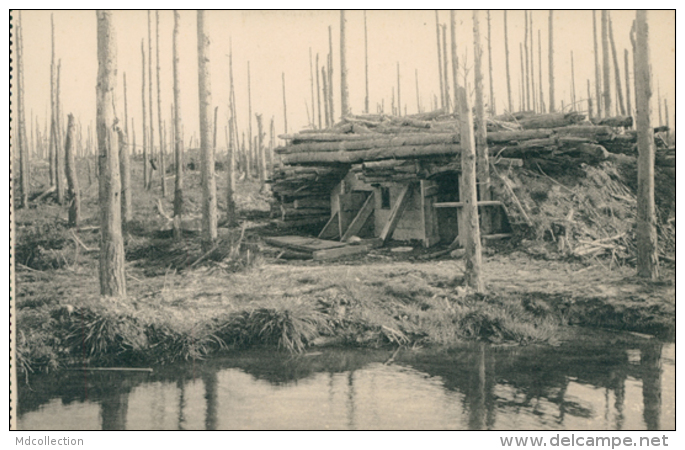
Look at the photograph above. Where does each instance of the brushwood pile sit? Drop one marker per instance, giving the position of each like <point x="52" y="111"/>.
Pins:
<point x="563" y="178"/>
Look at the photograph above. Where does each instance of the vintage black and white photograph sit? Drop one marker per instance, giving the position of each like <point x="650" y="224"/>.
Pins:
<point x="343" y="220"/>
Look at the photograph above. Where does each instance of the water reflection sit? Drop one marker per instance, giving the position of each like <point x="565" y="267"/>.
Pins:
<point x="611" y="382"/>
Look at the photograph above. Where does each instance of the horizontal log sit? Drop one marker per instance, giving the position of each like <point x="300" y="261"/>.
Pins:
<point x="395" y="164"/>
<point x="618" y="121"/>
<point x="461" y="204"/>
<point x="352" y="157"/>
<point x="312" y="202"/>
<point x="322" y="137"/>
<point x="396" y="141"/>
<point x="503" y="137"/>
<point x="551" y="120"/>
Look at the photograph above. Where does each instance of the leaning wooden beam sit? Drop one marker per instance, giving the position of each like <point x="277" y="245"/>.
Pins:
<point x="332" y="228"/>
<point x="360" y="219"/>
<point x="396" y="213"/>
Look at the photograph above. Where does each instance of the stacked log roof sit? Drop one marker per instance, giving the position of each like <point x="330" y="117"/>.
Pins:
<point x="380" y="147"/>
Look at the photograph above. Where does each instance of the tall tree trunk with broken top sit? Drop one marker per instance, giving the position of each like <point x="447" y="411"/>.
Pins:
<point x="146" y="156"/>
<point x="178" y="135"/>
<point x="598" y="72"/>
<point x="162" y="150"/>
<point x="552" y="107"/>
<point x="471" y="232"/>
<point x="647" y="256"/>
<point x="442" y="82"/>
<point x="506" y="52"/>
<point x="344" y="88"/>
<point x="617" y="70"/>
<point x="209" y="219"/>
<point x="605" y="64"/>
<point x="73" y="193"/>
<point x="483" y="164"/>
<point x="112" y="270"/>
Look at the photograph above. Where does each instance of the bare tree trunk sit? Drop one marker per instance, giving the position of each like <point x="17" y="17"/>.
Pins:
<point x="330" y="77"/>
<point x="525" y="47"/>
<point x="162" y="150"/>
<point x="261" y="152"/>
<point x="311" y="82"/>
<point x="668" y="130"/>
<point x="146" y="156"/>
<point x="440" y="69"/>
<point x="522" y="98"/>
<point x="617" y="70"/>
<point x="598" y="71"/>
<point x="543" y="108"/>
<point x="605" y="64"/>
<point x="531" y="49"/>
<point x="658" y="102"/>
<point x="209" y="219"/>
<point x="151" y="122"/>
<point x="285" y="111"/>
<point x="125" y="178"/>
<point x="468" y="196"/>
<point x="59" y="154"/>
<point x="455" y="58"/>
<point x="344" y="88"/>
<point x="325" y="97"/>
<point x="418" y="98"/>
<point x="629" y="106"/>
<point x="112" y="272"/>
<point x="272" y="144"/>
<point x="250" y="155"/>
<point x="230" y="178"/>
<point x="647" y="256"/>
<point x="493" y="108"/>
<point x="20" y="143"/>
<point x="53" y="102"/>
<point x="73" y="193"/>
<point x="445" y="60"/>
<point x="234" y="113"/>
<point x="366" y="68"/>
<point x="589" y="101"/>
<point x="483" y="164"/>
<point x="552" y="108"/>
<point x="506" y="52"/>
<point x="573" y="84"/>
<point x="318" y="92"/>
<point x="399" y="94"/>
<point x="178" y="136"/>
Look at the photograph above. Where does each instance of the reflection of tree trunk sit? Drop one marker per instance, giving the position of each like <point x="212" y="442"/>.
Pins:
<point x="490" y="382"/>
<point x="114" y="407"/>
<point x="651" y="384"/>
<point x="560" y="401"/>
<point x="181" y="403"/>
<point x="477" y="410"/>
<point x="350" y="401"/>
<point x="210" y="381"/>
<point x="620" y="395"/>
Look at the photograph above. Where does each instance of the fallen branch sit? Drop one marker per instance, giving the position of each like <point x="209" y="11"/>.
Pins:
<point x="80" y="243"/>
<point x="160" y="210"/>
<point x="45" y="193"/>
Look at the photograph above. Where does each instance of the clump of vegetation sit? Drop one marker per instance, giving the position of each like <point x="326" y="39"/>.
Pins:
<point x="101" y="333"/>
<point x="168" y="344"/>
<point x="288" y="324"/>
<point x="39" y="245"/>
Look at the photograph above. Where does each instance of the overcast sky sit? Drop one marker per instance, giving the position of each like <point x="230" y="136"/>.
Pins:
<point x="279" y="41"/>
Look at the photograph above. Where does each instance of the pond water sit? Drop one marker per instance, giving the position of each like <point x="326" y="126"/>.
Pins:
<point x="607" y="381"/>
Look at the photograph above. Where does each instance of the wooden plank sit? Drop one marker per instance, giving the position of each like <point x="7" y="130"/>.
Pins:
<point x="350" y="204"/>
<point x="301" y="243"/>
<point x="333" y="253"/>
<point x="332" y="228"/>
<point x="360" y="219"/>
<point x="429" y="217"/>
<point x="461" y="204"/>
<point x="496" y="236"/>
<point x="396" y="213"/>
